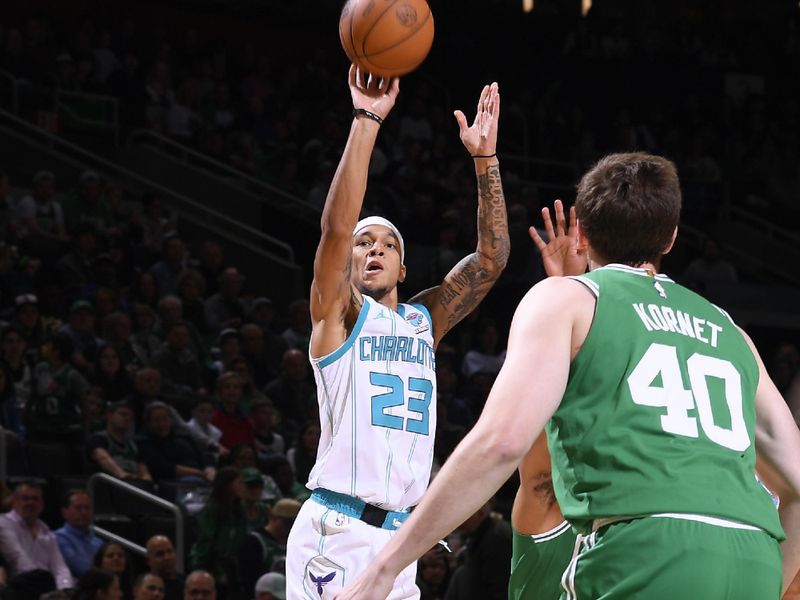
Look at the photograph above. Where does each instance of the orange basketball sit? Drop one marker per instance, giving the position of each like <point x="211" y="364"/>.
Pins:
<point x="387" y="38"/>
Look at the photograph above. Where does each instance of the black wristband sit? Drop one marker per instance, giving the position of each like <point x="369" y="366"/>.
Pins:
<point x="484" y="155"/>
<point x="358" y="112"/>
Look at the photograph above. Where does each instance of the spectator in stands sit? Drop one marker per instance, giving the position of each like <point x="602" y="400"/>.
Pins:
<point x="263" y="351"/>
<point x="104" y="299"/>
<point x="80" y="328"/>
<point x="200" y="584"/>
<point x="75" y="267"/>
<point x="298" y="333"/>
<point x="144" y="343"/>
<point x="244" y="457"/>
<point x="173" y="261"/>
<point x="785" y="366"/>
<point x="143" y="290"/>
<point x="303" y="454"/>
<point x="155" y="226"/>
<point x="113" y="450"/>
<point x="161" y="561"/>
<point x="29" y="548"/>
<point x="487" y="356"/>
<point x="9" y="410"/>
<point x="202" y="412"/>
<point x="710" y="269"/>
<point x="147" y="383"/>
<point x="41" y="218"/>
<point x="250" y="393"/>
<point x="148" y="586"/>
<point x="255" y="509"/>
<point x="211" y="265"/>
<point x="190" y="288"/>
<point x="433" y="574"/>
<point x="270" y="586"/>
<point x="9" y="224"/>
<point x="86" y="204"/>
<point x="56" y="409"/>
<point x="113" y="557"/>
<point x="483" y="571"/>
<point x="170" y="310"/>
<point x="225" y="308"/>
<point x="262" y="313"/>
<point x="264" y="550"/>
<point x="170" y="453"/>
<point x="160" y="95"/>
<point x="29" y="322"/>
<point x="76" y="540"/>
<point x="226" y="349"/>
<point x="8" y="262"/>
<point x="179" y="366"/>
<point x="293" y="393"/>
<point x="97" y="584"/>
<point x="116" y="330"/>
<point x="221" y="529"/>
<point x="110" y="375"/>
<point x="17" y="362"/>
<point x="264" y="419"/>
<point x="280" y="471"/>
<point x="448" y="435"/>
<point x="228" y="416"/>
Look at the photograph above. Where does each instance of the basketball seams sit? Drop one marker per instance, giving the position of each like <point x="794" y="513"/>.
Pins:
<point x="403" y="40"/>
<point x="371" y="27"/>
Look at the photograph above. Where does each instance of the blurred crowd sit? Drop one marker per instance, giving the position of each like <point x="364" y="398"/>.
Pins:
<point x="130" y="350"/>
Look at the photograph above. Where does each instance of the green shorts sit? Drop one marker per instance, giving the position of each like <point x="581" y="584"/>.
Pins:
<point x="538" y="561"/>
<point x="667" y="558"/>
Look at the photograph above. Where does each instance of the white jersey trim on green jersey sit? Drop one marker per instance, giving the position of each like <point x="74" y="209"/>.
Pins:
<point x="593" y="287"/>
<point x="552" y="534"/>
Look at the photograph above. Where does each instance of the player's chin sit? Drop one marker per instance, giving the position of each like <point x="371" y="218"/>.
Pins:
<point x="374" y="289"/>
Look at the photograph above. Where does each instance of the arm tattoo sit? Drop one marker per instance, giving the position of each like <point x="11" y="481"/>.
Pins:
<point x="474" y="276"/>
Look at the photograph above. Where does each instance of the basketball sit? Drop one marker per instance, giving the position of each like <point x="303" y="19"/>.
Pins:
<point x="387" y="38"/>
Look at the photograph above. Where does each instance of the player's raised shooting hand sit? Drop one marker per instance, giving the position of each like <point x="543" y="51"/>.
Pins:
<point x="373" y="93"/>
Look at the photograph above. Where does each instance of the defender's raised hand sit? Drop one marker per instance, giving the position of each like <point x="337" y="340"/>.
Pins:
<point x="560" y="254"/>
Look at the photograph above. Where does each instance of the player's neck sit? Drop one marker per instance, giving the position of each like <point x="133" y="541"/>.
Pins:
<point x="595" y="261"/>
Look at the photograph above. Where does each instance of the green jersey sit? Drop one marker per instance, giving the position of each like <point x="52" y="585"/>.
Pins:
<point x="659" y="411"/>
<point x="538" y="562"/>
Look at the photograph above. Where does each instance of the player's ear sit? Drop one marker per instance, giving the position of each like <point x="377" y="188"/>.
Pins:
<point x="583" y="242"/>
<point x="402" y="276"/>
<point x="671" y="243"/>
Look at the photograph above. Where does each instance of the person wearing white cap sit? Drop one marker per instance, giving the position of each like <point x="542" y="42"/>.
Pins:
<point x="373" y="356"/>
<point x="271" y="586"/>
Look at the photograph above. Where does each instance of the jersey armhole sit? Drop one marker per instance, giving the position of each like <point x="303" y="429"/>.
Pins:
<point x="590" y="284"/>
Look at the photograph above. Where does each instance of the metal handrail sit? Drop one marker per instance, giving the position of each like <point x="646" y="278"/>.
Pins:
<point x="771" y="230"/>
<point x="112" y="101"/>
<point x="151" y="138"/>
<point x="280" y="251"/>
<point x="147" y="497"/>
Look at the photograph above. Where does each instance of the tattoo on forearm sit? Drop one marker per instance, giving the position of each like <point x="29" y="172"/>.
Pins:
<point x="475" y="275"/>
<point x="493" y="240"/>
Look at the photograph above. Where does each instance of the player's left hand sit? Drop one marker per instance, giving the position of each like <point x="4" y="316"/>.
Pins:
<point x="480" y="139"/>
<point x="367" y="586"/>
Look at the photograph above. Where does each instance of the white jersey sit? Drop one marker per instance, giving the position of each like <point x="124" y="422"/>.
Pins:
<point x="377" y="406"/>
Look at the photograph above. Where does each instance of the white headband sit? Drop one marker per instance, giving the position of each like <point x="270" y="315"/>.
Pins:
<point x="386" y="223"/>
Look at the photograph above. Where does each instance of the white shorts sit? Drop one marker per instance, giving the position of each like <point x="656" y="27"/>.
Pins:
<point x="327" y="550"/>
